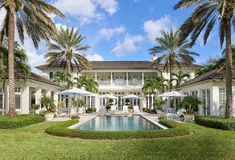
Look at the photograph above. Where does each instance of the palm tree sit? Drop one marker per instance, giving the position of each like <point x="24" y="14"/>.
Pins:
<point x="153" y="85"/>
<point x="88" y="83"/>
<point x="204" y="18"/>
<point x="62" y="77"/>
<point x="32" y="17"/>
<point x="174" y="52"/>
<point x="65" y="50"/>
<point x="180" y="77"/>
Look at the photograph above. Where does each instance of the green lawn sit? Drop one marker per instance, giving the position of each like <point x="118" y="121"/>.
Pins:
<point x="32" y="143"/>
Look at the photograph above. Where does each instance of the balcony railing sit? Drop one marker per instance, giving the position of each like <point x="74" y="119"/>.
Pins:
<point x="104" y="82"/>
<point x="135" y="82"/>
<point x="119" y="82"/>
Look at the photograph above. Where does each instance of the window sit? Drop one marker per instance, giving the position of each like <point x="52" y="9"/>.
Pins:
<point x="51" y="75"/>
<point x="17" y="101"/>
<point x="17" y="90"/>
<point x="222" y="101"/>
<point x="206" y="101"/>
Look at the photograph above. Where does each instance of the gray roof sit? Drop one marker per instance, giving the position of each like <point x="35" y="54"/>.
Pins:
<point x="118" y="65"/>
<point x="217" y="74"/>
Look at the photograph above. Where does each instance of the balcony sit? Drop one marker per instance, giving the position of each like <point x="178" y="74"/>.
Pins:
<point x="135" y="82"/>
<point x="119" y="82"/>
<point x="104" y="82"/>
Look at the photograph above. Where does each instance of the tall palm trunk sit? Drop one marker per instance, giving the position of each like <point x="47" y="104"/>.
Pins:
<point x="11" y="77"/>
<point x="229" y="65"/>
<point x="69" y="98"/>
<point x="171" y="70"/>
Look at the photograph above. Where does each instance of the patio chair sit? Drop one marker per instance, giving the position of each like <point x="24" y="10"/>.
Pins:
<point x="80" y="110"/>
<point x="125" y="109"/>
<point x="136" y="109"/>
<point x="102" y="109"/>
<point x="63" y="112"/>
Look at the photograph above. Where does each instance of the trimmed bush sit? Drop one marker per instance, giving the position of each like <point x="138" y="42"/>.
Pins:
<point x="62" y="130"/>
<point x="19" y="121"/>
<point x="216" y="122"/>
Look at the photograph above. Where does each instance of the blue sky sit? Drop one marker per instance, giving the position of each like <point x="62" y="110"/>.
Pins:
<point x="122" y="29"/>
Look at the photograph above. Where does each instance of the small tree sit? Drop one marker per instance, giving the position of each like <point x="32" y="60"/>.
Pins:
<point x="35" y="107"/>
<point x="159" y="103"/>
<point x="48" y="104"/>
<point x="190" y="103"/>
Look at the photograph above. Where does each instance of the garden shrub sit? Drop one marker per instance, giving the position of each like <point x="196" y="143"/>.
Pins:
<point x="216" y="122"/>
<point x="62" y="130"/>
<point x="19" y="121"/>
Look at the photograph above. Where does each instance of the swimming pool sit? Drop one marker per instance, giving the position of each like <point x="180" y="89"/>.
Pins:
<point x="118" y="123"/>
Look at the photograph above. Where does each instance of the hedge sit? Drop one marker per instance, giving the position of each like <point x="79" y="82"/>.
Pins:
<point x="19" y="121"/>
<point x="216" y="122"/>
<point x="61" y="129"/>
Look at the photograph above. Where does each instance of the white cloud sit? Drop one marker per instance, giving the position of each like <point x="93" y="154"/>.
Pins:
<point x="153" y="28"/>
<point x="108" y="33"/>
<point x="110" y="6"/>
<point x="128" y="45"/>
<point x="94" y="57"/>
<point x="86" y="10"/>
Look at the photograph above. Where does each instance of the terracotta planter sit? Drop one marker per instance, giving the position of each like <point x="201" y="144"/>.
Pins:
<point x="49" y="116"/>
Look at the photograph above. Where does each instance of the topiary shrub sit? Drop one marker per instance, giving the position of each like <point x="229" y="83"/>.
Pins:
<point x="19" y="121"/>
<point x="216" y="122"/>
<point x="176" y="129"/>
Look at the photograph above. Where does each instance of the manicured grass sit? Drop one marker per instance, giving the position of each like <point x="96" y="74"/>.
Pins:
<point x="33" y="143"/>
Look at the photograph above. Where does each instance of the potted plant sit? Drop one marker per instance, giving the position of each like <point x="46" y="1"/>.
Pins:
<point x="49" y="105"/>
<point x="35" y="107"/>
<point x="190" y="103"/>
<point x="108" y="106"/>
<point x="128" y="103"/>
<point x="158" y="105"/>
<point x="81" y="104"/>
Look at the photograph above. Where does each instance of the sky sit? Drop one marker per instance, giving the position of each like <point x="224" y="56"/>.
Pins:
<point x="121" y="29"/>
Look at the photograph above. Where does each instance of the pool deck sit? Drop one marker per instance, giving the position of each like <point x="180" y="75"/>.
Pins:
<point x="152" y="118"/>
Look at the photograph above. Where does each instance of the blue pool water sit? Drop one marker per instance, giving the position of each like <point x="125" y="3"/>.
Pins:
<point x="118" y="123"/>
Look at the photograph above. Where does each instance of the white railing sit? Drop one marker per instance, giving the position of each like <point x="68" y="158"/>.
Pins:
<point x="104" y="82"/>
<point x="135" y="82"/>
<point x="119" y="82"/>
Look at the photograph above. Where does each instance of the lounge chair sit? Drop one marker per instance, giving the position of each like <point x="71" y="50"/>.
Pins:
<point x="102" y="109"/>
<point x="80" y="110"/>
<point x="136" y="109"/>
<point x="125" y="109"/>
<point x="113" y="108"/>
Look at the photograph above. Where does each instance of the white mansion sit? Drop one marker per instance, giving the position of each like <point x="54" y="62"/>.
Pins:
<point x="120" y="78"/>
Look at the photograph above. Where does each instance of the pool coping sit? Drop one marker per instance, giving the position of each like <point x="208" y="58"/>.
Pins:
<point x="92" y="117"/>
<point x="154" y="122"/>
<point x="83" y="122"/>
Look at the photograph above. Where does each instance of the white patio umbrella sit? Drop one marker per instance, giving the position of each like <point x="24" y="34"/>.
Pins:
<point x="172" y="94"/>
<point x="76" y="92"/>
<point x="131" y="96"/>
<point x="107" y="96"/>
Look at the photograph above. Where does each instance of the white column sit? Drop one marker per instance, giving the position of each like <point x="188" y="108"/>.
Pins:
<point x="111" y="78"/>
<point x="127" y="78"/>
<point x="38" y="96"/>
<point x="56" y="98"/>
<point x="90" y="101"/>
<point x="97" y="103"/>
<point x="152" y="101"/>
<point x="24" y="98"/>
<point x="214" y="101"/>
<point x="148" y="101"/>
<point x="48" y="93"/>
<point x="142" y="78"/>
<point x="96" y="76"/>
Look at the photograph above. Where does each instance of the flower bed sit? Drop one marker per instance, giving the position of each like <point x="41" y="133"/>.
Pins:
<point x="176" y="129"/>
<point x="216" y="122"/>
<point x="19" y="121"/>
